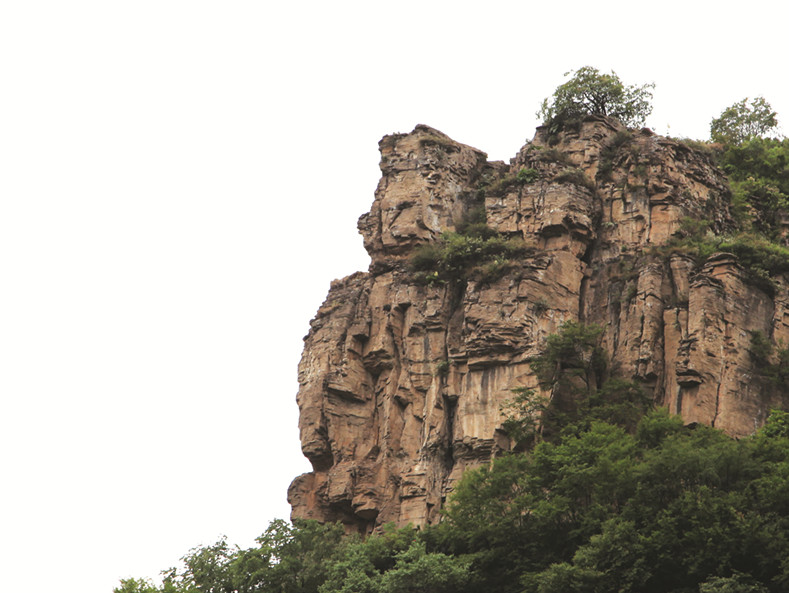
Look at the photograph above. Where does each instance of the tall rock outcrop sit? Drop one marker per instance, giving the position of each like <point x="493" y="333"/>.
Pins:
<point x="401" y="381"/>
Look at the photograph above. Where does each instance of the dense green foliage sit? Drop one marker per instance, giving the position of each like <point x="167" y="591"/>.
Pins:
<point x="758" y="170"/>
<point x="660" y="509"/>
<point x="288" y="559"/>
<point x="524" y="417"/>
<point x="771" y="362"/>
<point x="591" y="92"/>
<point x="574" y="352"/>
<point x="577" y="389"/>
<point x="744" y="121"/>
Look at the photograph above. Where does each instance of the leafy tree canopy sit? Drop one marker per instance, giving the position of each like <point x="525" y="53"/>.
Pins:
<point x="574" y="351"/>
<point x="591" y="92"/>
<point x="136" y="586"/>
<point x="573" y="372"/>
<point x="664" y="509"/>
<point x="743" y="121"/>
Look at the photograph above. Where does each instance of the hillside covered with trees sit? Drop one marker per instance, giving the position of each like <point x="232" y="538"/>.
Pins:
<point x="601" y="490"/>
<point x="662" y="508"/>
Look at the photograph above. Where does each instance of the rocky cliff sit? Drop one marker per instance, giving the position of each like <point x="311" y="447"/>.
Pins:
<point x="402" y="380"/>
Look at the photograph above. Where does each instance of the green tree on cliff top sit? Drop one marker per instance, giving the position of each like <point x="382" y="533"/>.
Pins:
<point x="744" y="121"/>
<point x="591" y="92"/>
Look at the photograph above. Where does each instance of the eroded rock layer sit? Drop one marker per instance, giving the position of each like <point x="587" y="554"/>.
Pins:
<point x="401" y="382"/>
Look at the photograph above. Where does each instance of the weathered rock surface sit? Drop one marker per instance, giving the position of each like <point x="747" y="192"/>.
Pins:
<point x="401" y="383"/>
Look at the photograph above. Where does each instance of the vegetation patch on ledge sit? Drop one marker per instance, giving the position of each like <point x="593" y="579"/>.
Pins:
<point x="760" y="258"/>
<point x="499" y="187"/>
<point x="576" y="177"/>
<point x="433" y="140"/>
<point x="457" y="256"/>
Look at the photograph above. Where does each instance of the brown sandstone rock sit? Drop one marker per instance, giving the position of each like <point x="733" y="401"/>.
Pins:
<point x="401" y="383"/>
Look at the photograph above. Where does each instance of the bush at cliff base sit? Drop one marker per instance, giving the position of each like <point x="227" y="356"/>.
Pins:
<point x="661" y="509"/>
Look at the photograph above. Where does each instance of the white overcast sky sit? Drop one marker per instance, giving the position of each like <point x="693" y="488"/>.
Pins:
<point x="180" y="182"/>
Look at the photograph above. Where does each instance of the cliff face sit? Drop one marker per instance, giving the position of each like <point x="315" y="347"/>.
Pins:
<point x="401" y="382"/>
